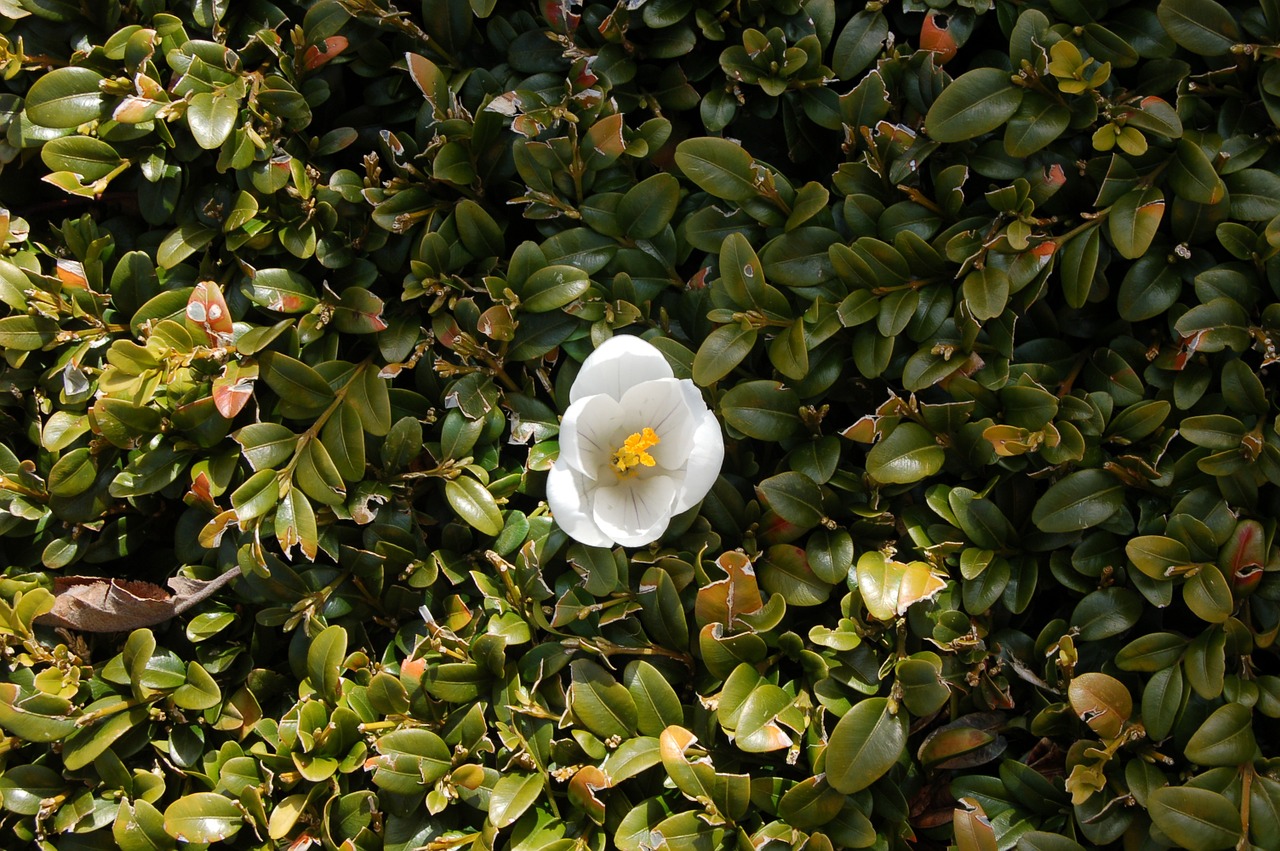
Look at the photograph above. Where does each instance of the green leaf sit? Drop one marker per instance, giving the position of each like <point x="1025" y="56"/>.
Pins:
<point x="202" y="818"/>
<point x="181" y="243"/>
<point x="722" y="350"/>
<point x="810" y="804"/>
<point x="860" y="42"/>
<point x="90" y="158"/>
<point x="1150" y="287"/>
<point x="318" y="476"/>
<point x="370" y="398"/>
<point x="1106" y="612"/>
<point x="513" y="794"/>
<point x="785" y="571"/>
<point x="73" y="473"/>
<point x="66" y="97"/>
<point x="758" y="730"/>
<point x="343" y="437"/>
<point x="199" y="692"/>
<point x="1134" y="220"/>
<point x="324" y="662"/>
<point x="1080" y="500"/>
<point x="789" y="351"/>
<point x="1155" y="554"/>
<point x="1205" y="662"/>
<point x="657" y="705"/>
<point x="552" y="287"/>
<point x="976" y="102"/>
<point x="211" y="118"/>
<point x="765" y="410"/>
<point x="358" y="311"/>
<point x="647" y="207"/>
<point x="1193" y="177"/>
<point x="472" y="502"/>
<point x="794" y="496"/>
<point x="480" y="234"/>
<point x="26" y="787"/>
<point x="27" y="333"/>
<point x="866" y="742"/>
<point x="1195" y="819"/>
<point x="907" y="454"/>
<point x="258" y="495"/>
<point x="1079" y="263"/>
<point x="1255" y="194"/>
<point x="1038" y="121"/>
<point x="1162" y="701"/>
<point x="1152" y="652"/>
<point x="1225" y="738"/>
<point x="1201" y="26"/>
<point x="718" y="166"/>
<point x="602" y="704"/>
<point x="1208" y="595"/>
<point x="986" y="291"/>
<point x="88" y="743"/>
<point x="266" y="445"/>
<point x="303" y="393"/>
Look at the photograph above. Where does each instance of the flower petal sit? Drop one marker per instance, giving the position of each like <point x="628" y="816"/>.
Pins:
<point x="570" y="503"/>
<point x="635" y="511"/>
<point x="703" y="467"/>
<point x="661" y="405"/>
<point x="589" y="433"/>
<point x="619" y="363"/>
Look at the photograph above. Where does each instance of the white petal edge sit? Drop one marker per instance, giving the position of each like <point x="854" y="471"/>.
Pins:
<point x="619" y="363"/>
<point x="588" y="433"/>
<point x="661" y="405"/>
<point x="705" y="461"/>
<point x="571" y="506"/>
<point x="636" y="511"/>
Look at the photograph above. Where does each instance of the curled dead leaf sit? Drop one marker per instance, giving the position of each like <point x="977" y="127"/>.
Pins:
<point x="99" y="604"/>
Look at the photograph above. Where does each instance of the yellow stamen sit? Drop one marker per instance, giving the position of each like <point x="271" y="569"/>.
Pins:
<point x="632" y="453"/>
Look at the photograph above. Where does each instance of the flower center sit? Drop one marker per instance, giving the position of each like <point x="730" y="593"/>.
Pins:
<point x="632" y="453"/>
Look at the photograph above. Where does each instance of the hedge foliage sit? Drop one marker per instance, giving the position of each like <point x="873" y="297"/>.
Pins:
<point x="985" y="294"/>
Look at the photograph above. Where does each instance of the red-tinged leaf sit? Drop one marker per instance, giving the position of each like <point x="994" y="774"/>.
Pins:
<point x="603" y="143"/>
<point x="1054" y="176"/>
<point x="295" y="525"/>
<point x="427" y="76"/>
<point x="230" y="397"/>
<point x="234" y="388"/>
<point x="71" y="273"/>
<point x="562" y="14"/>
<point x="321" y="54"/>
<point x="201" y="494"/>
<point x="935" y="37"/>
<point x="207" y="308"/>
<point x="726" y="600"/>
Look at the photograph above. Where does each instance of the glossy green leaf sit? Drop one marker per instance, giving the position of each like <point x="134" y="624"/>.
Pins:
<point x="211" y="118"/>
<point x="1201" y="26"/>
<point x="1078" y="501"/>
<point x="1225" y="738"/>
<point x="723" y="350"/>
<point x="976" y="102"/>
<point x="866" y="742"/>
<point x="718" y="166"/>
<point x="66" y="97"/>
<point x="907" y="454"/>
<point x="474" y="504"/>
<point x="1196" y="819"/>
<point x="203" y="817"/>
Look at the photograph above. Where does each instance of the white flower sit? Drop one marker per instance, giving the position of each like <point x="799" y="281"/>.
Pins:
<point x="637" y="447"/>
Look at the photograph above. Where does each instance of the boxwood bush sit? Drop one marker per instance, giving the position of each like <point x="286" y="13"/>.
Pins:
<point x="984" y="293"/>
